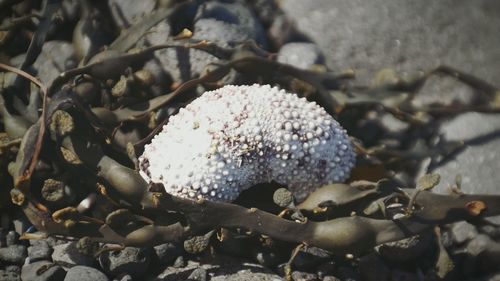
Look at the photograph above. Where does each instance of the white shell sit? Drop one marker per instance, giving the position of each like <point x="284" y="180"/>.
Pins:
<point x="232" y="138"/>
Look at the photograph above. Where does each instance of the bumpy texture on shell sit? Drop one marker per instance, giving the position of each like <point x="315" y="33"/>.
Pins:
<point x="229" y="139"/>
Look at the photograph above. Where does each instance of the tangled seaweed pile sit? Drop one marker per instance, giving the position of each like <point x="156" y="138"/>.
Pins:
<point x="76" y="118"/>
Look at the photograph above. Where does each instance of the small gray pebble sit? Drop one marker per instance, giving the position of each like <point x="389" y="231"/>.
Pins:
<point x="490" y="230"/>
<point x="227" y="23"/>
<point x="463" y="231"/>
<point x="84" y="273"/>
<point x="130" y="260"/>
<point x="11" y="238"/>
<point x="304" y="276"/>
<point x="6" y="275"/>
<point x="68" y="254"/>
<point x="300" y="54"/>
<point x="199" y="274"/>
<point x="311" y="257"/>
<point x="13" y="254"/>
<point x="42" y="271"/>
<point x="266" y="257"/>
<point x="168" y="252"/>
<point x="179" y="262"/>
<point x="39" y="251"/>
<point x="13" y="268"/>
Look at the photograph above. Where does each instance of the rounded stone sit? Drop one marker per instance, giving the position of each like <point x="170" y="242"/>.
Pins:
<point x="130" y="260"/>
<point x="68" y="254"/>
<point x="40" y="250"/>
<point x="13" y="254"/>
<point x="84" y="273"/>
<point x="43" y="271"/>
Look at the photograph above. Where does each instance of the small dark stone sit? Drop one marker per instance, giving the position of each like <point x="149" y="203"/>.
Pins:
<point x="168" y="252"/>
<point x="199" y="274"/>
<point x="304" y="276"/>
<point x="484" y="253"/>
<point x="40" y="250"/>
<point x="84" y="273"/>
<point x="11" y="238"/>
<point x="491" y="231"/>
<point x="13" y="254"/>
<point x="130" y="260"/>
<point x="42" y="271"/>
<point x="266" y="257"/>
<point x="326" y="269"/>
<point x="310" y="257"/>
<point x="227" y="23"/>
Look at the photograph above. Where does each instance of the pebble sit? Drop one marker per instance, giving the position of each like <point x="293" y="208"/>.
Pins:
<point x="462" y="232"/>
<point x="40" y="250"/>
<point x="266" y="257"/>
<point x="199" y="274"/>
<point x="42" y="271"/>
<point x="130" y="260"/>
<point x="11" y="238"/>
<point x="15" y="254"/>
<point x="6" y="275"/>
<point x="304" y="276"/>
<point x="167" y="253"/>
<point x="68" y="254"/>
<point x="179" y="262"/>
<point x="310" y="257"/>
<point x="227" y="23"/>
<point x="85" y="273"/>
<point x="484" y="254"/>
<point x="49" y="66"/>
<point x="300" y="54"/>
<point x="21" y="224"/>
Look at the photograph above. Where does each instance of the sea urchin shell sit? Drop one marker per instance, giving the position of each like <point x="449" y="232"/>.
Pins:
<point x="229" y="139"/>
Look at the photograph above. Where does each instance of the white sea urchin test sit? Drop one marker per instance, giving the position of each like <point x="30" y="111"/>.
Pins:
<point x="229" y="139"/>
